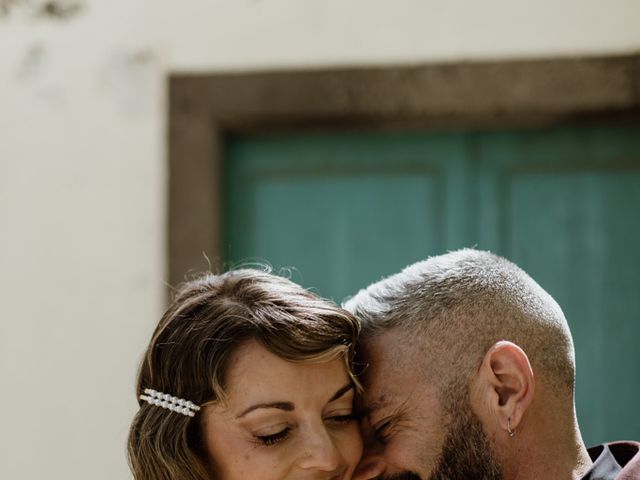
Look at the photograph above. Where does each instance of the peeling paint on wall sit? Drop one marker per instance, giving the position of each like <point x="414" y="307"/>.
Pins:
<point x="33" y="62"/>
<point x="53" y="9"/>
<point x="33" y="72"/>
<point x="129" y="77"/>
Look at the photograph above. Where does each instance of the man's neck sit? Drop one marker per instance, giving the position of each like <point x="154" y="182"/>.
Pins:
<point x="558" y="454"/>
<point x="572" y="467"/>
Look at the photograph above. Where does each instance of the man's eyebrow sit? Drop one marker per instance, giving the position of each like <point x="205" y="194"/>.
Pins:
<point x="286" y="406"/>
<point x="368" y="408"/>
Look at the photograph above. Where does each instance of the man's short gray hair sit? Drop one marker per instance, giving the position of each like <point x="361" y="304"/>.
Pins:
<point x="454" y="307"/>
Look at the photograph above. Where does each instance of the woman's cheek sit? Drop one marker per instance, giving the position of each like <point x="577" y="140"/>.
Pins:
<point x="351" y="445"/>
<point x="272" y="462"/>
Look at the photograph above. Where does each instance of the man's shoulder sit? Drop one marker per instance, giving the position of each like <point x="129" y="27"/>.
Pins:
<point x="626" y="454"/>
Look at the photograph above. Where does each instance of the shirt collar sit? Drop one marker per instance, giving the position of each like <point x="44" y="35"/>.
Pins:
<point x="605" y="466"/>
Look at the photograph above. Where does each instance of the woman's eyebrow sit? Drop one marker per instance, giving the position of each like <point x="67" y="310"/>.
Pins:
<point x="286" y="406"/>
<point x="341" y="391"/>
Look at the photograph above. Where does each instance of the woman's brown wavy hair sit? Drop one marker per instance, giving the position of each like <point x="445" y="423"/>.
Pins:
<point x="186" y="357"/>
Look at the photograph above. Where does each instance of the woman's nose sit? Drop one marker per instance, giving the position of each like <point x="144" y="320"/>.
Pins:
<point x="319" y="451"/>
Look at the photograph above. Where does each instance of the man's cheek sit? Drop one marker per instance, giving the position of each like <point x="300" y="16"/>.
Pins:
<point x="412" y="454"/>
<point x="402" y="453"/>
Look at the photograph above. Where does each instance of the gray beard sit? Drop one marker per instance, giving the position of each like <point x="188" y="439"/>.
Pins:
<point x="466" y="451"/>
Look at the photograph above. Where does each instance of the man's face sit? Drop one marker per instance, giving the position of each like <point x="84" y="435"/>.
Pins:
<point x="408" y="434"/>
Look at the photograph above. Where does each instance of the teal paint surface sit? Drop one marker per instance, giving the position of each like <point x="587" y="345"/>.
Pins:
<point x="344" y="210"/>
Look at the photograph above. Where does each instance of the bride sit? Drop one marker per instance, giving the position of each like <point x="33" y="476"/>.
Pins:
<point x="247" y="376"/>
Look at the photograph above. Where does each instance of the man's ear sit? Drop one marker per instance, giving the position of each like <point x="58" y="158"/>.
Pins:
<point x="506" y="381"/>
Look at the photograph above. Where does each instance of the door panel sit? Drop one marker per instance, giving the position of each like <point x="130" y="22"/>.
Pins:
<point x="347" y="242"/>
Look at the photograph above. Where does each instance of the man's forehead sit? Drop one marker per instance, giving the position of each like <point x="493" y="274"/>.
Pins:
<point x="387" y="354"/>
<point x="371" y="401"/>
<point x="392" y="372"/>
<point x="390" y="344"/>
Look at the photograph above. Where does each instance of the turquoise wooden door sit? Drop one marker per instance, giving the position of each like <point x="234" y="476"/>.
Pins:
<point x="346" y="209"/>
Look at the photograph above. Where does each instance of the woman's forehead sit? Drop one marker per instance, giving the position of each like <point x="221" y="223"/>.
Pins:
<point x="254" y="371"/>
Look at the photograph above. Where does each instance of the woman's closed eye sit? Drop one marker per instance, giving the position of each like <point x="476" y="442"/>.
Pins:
<point x="273" y="438"/>
<point x="281" y="435"/>
<point x="342" y="418"/>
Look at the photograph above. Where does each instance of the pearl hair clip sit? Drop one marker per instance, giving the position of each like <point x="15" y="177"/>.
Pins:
<point x="164" y="400"/>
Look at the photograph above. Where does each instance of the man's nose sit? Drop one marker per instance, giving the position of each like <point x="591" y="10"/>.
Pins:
<point x="319" y="451"/>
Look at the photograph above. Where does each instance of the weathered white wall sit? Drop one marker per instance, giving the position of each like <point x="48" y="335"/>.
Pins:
<point x="83" y="175"/>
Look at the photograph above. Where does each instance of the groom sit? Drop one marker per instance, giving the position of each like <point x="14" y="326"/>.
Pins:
<point x="470" y="374"/>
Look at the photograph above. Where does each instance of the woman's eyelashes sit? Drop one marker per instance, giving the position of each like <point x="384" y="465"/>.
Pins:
<point x="344" y="418"/>
<point x="268" y="440"/>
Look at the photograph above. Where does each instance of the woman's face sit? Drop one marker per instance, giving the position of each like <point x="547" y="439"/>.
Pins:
<point x="282" y="420"/>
